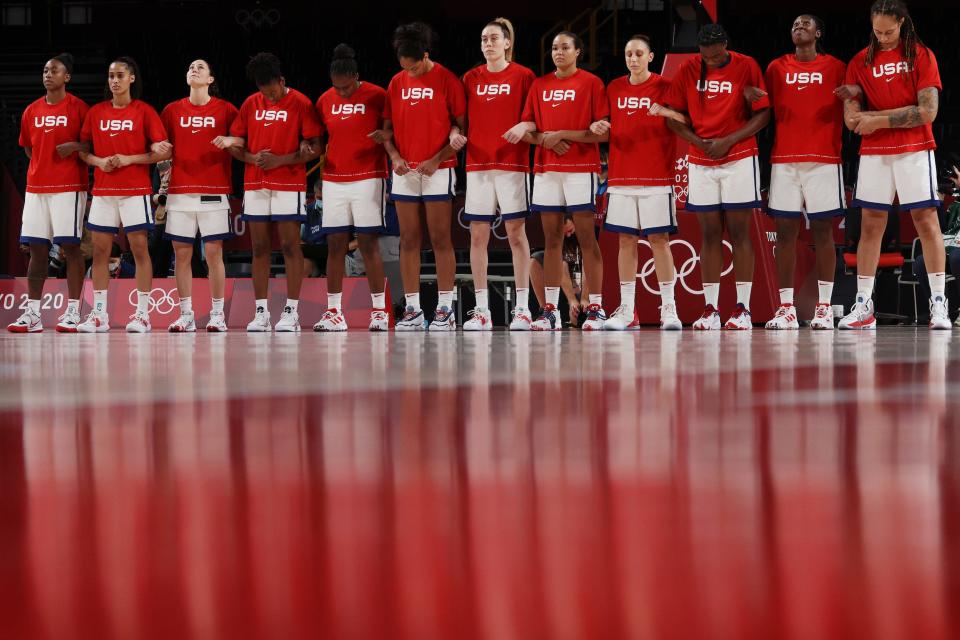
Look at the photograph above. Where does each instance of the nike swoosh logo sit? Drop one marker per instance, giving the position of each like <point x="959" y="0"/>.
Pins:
<point x="803" y="87"/>
<point x="344" y="117"/>
<point x="413" y="103"/>
<point x="493" y="98"/>
<point x="713" y="96"/>
<point x="47" y="130"/>
<point x="195" y="131"/>
<point x="267" y="124"/>
<point x="555" y="105"/>
<point x="630" y="113"/>
<point x="114" y="134"/>
<point x="891" y="79"/>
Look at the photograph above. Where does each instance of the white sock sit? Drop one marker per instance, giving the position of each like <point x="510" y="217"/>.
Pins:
<point x="483" y="299"/>
<point x="596" y="298"/>
<point x="334" y="300"/>
<point x="711" y="294"/>
<point x="826" y="291"/>
<point x="552" y="295"/>
<point x="73" y="306"/>
<point x="100" y="301"/>
<point x="743" y="293"/>
<point x="786" y="296"/>
<point x="628" y="294"/>
<point x="938" y="281"/>
<point x="523" y="298"/>
<point x="864" y="288"/>
<point x="378" y="300"/>
<point x="666" y="291"/>
<point x="34" y="305"/>
<point x="143" y="301"/>
<point x="262" y="303"/>
<point x="186" y="306"/>
<point x="217" y="305"/>
<point x="413" y="300"/>
<point x="293" y="304"/>
<point x="445" y="299"/>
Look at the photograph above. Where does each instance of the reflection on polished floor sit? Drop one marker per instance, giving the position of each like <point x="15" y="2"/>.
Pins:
<point x="645" y="485"/>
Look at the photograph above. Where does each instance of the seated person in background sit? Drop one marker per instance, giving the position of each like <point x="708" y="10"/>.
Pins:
<point x="951" y="242"/>
<point x="117" y="267"/>
<point x="572" y="291"/>
<point x="313" y="245"/>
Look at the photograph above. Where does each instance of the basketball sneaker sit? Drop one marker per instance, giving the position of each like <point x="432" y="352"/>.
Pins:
<point x="521" y="320"/>
<point x="261" y="321"/>
<point x="709" y="321"/>
<point x="379" y="320"/>
<point x="217" y="322"/>
<point x="622" y="319"/>
<point x="331" y="320"/>
<point x="186" y="323"/>
<point x="28" y="322"/>
<point x="412" y="320"/>
<point x="139" y="323"/>
<point x="479" y="320"/>
<point x="443" y="320"/>
<point x="860" y="317"/>
<point x="596" y="317"/>
<point x="549" y="320"/>
<point x="94" y="323"/>
<point x="289" y="321"/>
<point x="785" y="318"/>
<point x="822" y="317"/>
<point x="669" y="320"/>
<point x="68" y="322"/>
<point x="939" y="317"/>
<point x="740" y="320"/>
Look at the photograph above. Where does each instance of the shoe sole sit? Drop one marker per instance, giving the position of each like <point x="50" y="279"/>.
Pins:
<point x="297" y="330"/>
<point x="24" y="330"/>
<point x="671" y="327"/>
<point x="139" y="331"/>
<point x="478" y="330"/>
<point x="258" y="330"/>
<point x="324" y="330"/>
<point x="216" y="330"/>
<point x="869" y="327"/>
<point x="788" y="328"/>
<point x="171" y="330"/>
<point x="60" y="329"/>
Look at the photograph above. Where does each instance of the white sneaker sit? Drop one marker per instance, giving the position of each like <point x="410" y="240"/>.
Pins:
<point x="596" y="317"/>
<point x="28" y="322"/>
<point x="822" y="317"/>
<point x="521" y="320"/>
<point x="68" y="322"/>
<point x="479" y="320"/>
<point x="669" y="320"/>
<point x="331" y="320"/>
<point x="443" y="320"/>
<point x="622" y="319"/>
<point x="94" y="323"/>
<point x="549" y="320"/>
<point x="186" y="323"/>
<point x="785" y="318"/>
<point x="709" y="321"/>
<point x="740" y="320"/>
<point x="379" y="320"/>
<point x="939" y="317"/>
<point x="217" y="322"/>
<point x="860" y="317"/>
<point x="139" y="323"/>
<point x="261" y="321"/>
<point x="289" y="321"/>
<point x="412" y="320"/>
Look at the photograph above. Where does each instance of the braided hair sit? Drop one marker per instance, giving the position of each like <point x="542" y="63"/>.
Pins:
<point x="708" y="35"/>
<point x="897" y="10"/>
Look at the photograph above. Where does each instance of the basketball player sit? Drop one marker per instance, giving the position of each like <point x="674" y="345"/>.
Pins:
<point x="275" y="134"/>
<point x="640" y="175"/>
<point x="423" y="121"/>
<point x="126" y="137"/>
<point x="724" y="180"/>
<point x="197" y="192"/>
<point x="897" y="79"/>
<point x="560" y="108"/>
<point x="498" y="173"/>
<point x="806" y="175"/>
<point x="56" y="196"/>
<point x="354" y="185"/>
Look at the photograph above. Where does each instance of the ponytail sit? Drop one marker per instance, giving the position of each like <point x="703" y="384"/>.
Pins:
<point x="507" y="27"/>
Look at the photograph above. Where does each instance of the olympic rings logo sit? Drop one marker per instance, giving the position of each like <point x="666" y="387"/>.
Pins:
<point x="683" y="269"/>
<point x="496" y="227"/>
<point x="256" y="18"/>
<point x="161" y="301"/>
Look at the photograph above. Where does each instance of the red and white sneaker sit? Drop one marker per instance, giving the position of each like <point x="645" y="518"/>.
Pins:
<point x="822" y="317"/>
<point x="709" y="321"/>
<point x="785" y="318"/>
<point x="596" y="317"/>
<point x="331" y="320"/>
<point x="28" y="322"/>
<point x="521" y="320"/>
<point x="549" y="320"/>
<point x="379" y="320"/>
<point x="480" y="320"/>
<point x="622" y="319"/>
<point x="139" y="323"/>
<point x="68" y="322"/>
<point x="740" y="320"/>
<point x="186" y="323"/>
<point x="217" y="322"/>
<point x="94" y="323"/>
<point x="860" y="317"/>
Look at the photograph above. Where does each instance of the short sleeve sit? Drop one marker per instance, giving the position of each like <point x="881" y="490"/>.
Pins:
<point x="154" y="126"/>
<point x="318" y="109"/>
<point x="310" y="126"/>
<point x="230" y="115"/>
<point x="166" y="117"/>
<point x="677" y="94"/>
<point x="86" y="131"/>
<point x="853" y="72"/>
<point x="387" y="109"/>
<point x="25" y="130"/>
<point x="530" y="110"/>
<point x="756" y="80"/>
<point x="600" y="107"/>
<point x="928" y="73"/>
<point x="456" y="98"/>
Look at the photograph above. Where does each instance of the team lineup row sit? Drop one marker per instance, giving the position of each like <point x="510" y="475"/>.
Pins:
<point x="412" y="132"/>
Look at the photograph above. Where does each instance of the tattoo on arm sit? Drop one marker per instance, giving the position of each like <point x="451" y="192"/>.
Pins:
<point x="928" y="104"/>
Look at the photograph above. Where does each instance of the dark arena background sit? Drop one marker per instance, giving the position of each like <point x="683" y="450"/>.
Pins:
<point x="506" y="484"/>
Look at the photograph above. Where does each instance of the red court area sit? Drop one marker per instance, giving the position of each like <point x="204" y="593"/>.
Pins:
<point x="638" y="485"/>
